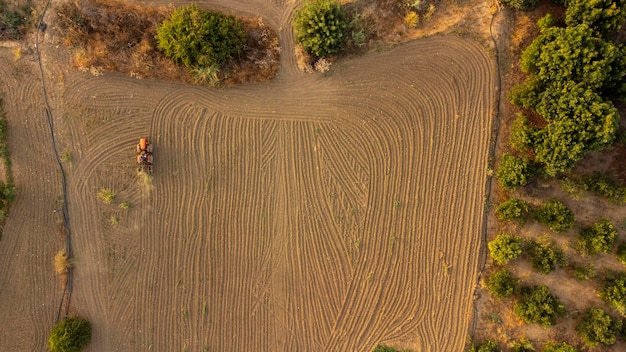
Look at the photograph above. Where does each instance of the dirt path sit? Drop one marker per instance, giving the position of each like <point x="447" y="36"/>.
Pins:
<point x="327" y="212"/>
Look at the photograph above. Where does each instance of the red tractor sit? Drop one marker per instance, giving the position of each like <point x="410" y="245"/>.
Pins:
<point x="144" y="155"/>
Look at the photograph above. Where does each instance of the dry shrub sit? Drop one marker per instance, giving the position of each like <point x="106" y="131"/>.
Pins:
<point x="303" y="59"/>
<point x="322" y="65"/>
<point x="61" y="262"/>
<point x="522" y="31"/>
<point x="411" y="19"/>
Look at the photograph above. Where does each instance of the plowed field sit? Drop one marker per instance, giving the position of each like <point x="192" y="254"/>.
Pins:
<point x="317" y="212"/>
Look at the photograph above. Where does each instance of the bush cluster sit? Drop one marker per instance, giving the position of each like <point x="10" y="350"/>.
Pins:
<point x="621" y="253"/>
<point x="487" y="346"/>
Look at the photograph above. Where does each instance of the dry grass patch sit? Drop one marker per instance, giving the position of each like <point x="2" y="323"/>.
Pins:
<point x="62" y="263"/>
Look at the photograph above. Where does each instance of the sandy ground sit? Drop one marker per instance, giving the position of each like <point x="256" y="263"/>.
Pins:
<point x="316" y="212"/>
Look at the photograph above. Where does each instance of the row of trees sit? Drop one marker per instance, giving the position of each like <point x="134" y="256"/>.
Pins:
<point x="574" y="72"/>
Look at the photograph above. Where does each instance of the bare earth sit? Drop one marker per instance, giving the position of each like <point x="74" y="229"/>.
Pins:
<point x="313" y="213"/>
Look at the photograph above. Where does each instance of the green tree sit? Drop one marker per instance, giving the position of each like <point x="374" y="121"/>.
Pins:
<point x="513" y="171"/>
<point x="614" y="292"/>
<point x="598" y="328"/>
<point x="522" y="345"/>
<point x="538" y="306"/>
<point x="505" y="248"/>
<point x="558" y="347"/>
<point x="555" y="215"/>
<point x="487" y="346"/>
<point x="514" y="209"/>
<point x="605" y="17"/>
<point x="559" y="55"/>
<point x="545" y="257"/>
<point x="69" y="335"/>
<point x="198" y="39"/>
<point x="502" y="284"/>
<point x="600" y="237"/>
<point x="523" y="5"/>
<point x="320" y="27"/>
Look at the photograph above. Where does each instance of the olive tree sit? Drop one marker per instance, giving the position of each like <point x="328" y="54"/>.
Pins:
<point x="600" y="237"/>
<point x="320" y="27"/>
<point x="539" y="306"/>
<point x="513" y="171"/>
<point x="598" y="327"/>
<point x="200" y="39"/>
<point x="505" y="248"/>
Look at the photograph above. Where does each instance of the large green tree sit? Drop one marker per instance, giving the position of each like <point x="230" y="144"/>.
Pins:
<point x="200" y="39"/>
<point x="605" y="17"/>
<point x="320" y="27"/>
<point x="576" y="54"/>
<point x="69" y="335"/>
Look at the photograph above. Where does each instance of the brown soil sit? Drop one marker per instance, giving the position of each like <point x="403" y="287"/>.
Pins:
<point x="329" y="212"/>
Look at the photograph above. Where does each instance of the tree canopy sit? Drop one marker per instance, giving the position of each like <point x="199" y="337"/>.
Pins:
<point x="320" y="27"/>
<point x="198" y="38"/>
<point x="539" y="306"/>
<point x="605" y="17"/>
<point x="598" y="328"/>
<point x="69" y="335"/>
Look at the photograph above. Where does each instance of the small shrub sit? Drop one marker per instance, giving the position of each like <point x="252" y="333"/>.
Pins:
<point x="572" y="187"/>
<point x="614" y="292"/>
<point x="61" y="262"/>
<point x="558" y="347"/>
<point x="67" y="156"/>
<point x="522" y="345"/>
<point x="605" y="186"/>
<point x="539" y="306"/>
<point x="124" y="205"/>
<point x="513" y="171"/>
<point x="487" y="346"/>
<point x="598" y="328"/>
<point x="411" y="19"/>
<point x="600" y="237"/>
<point x="555" y="215"/>
<point x="524" y="5"/>
<point x="106" y="196"/>
<point x="113" y="220"/>
<point x="621" y="253"/>
<point x="382" y="348"/>
<point x="501" y="284"/>
<point x="320" y="27"/>
<point x="69" y="335"/>
<point x="545" y="257"/>
<point x="513" y="209"/>
<point x="505" y="248"/>
<point x="585" y="272"/>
